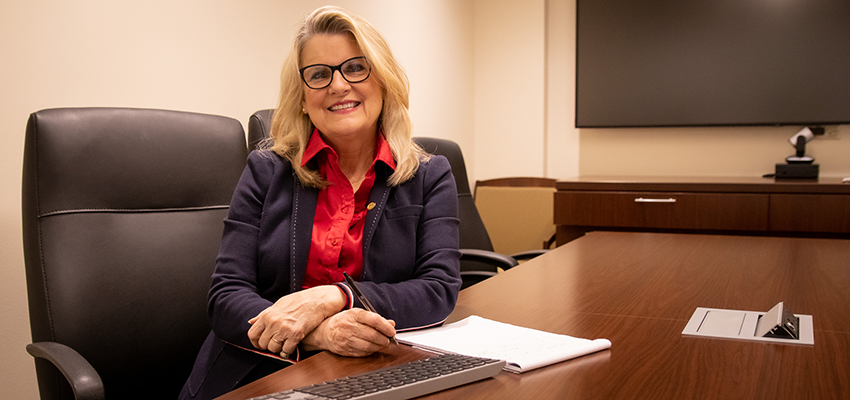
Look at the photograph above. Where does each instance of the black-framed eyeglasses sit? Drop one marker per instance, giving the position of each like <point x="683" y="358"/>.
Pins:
<point x="320" y="76"/>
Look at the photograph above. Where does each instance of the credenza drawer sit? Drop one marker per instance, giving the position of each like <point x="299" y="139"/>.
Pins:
<point x="727" y="205"/>
<point x="663" y="210"/>
<point x="828" y="213"/>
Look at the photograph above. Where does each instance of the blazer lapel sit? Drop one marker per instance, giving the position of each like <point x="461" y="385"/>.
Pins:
<point x="304" y="201"/>
<point x="379" y="194"/>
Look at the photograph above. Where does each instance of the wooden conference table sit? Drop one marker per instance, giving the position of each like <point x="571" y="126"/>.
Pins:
<point x="639" y="290"/>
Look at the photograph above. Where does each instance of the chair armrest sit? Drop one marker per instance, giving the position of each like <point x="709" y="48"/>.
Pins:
<point x="84" y="380"/>
<point x="499" y="260"/>
<point x="529" y="254"/>
<point x="470" y="278"/>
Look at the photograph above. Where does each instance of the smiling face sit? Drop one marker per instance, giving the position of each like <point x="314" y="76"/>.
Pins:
<point x="343" y="112"/>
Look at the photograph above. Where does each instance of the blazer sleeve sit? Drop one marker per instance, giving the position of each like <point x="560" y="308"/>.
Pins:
<point x="414" y="272"/>
<point x="234" y="292"/>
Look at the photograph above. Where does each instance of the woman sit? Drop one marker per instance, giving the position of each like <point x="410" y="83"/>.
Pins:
<point x="340" y="187"/>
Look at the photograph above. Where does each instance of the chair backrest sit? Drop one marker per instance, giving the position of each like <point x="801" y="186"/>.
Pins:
<point x="473" y="234"/>
<point x="518" y="212"/>
<point x="258" y="127"/>
<point x="122" y="220"/>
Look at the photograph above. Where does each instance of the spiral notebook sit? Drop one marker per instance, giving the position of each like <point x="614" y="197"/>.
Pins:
<point x="524" y="349"/>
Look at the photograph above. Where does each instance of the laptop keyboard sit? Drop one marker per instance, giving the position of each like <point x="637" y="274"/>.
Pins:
<point x="405" y="381"/>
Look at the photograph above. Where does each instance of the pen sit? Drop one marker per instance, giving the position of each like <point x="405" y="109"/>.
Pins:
<point x="363" y="299"/>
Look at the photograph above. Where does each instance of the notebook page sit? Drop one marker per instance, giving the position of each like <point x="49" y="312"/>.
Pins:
<point x="523" y="348"/>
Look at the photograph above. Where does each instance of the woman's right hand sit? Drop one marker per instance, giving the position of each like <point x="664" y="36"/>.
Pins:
<point x="280" y="327"/>
<point x="351" y="333"/>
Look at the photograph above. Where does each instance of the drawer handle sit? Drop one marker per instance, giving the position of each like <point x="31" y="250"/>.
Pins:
<point x="642" y="200"/>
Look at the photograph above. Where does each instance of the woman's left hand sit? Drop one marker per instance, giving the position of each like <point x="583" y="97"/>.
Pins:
<point x="279" y="328"/>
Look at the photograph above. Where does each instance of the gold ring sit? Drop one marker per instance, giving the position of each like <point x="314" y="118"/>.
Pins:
<point x="284" y="355"/>
<point x="277" y="341"/>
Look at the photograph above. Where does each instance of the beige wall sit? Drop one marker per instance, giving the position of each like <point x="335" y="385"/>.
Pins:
<point x="509" y="88"/>
<point x="742" y="151"/>
<point x="560" y="135"/>
<point x="494" y="75"/>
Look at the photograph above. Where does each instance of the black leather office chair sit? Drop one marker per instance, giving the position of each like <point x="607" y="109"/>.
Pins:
<point x="478" y="260"/>
<point x="122" y="220"/>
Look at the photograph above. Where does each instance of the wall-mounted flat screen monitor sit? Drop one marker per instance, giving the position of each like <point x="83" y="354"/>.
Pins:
<point x="656" y="63"/>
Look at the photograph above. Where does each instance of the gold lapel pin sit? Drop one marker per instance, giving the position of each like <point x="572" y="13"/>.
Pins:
<point x="370" y="206"/>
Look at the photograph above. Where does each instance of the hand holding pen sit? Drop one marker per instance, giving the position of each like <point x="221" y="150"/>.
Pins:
<point x="354" y="288"/>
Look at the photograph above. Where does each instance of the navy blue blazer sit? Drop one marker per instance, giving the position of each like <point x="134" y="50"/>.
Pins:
<point x="411" y="261"/>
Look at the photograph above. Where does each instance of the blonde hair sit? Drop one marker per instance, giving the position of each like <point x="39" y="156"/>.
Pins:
<point x="291" y="129"/>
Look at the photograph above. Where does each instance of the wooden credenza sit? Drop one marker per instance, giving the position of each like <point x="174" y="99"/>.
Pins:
<point x="725" y="205"/>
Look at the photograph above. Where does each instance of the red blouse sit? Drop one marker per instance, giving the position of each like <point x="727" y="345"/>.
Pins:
<point x="337" y="243"/>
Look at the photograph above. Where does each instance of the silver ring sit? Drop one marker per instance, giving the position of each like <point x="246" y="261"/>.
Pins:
<point x="284" y="355"/>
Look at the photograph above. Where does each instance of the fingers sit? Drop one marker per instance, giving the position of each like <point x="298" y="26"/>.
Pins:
<point x="283" y="347"/>
<point x="266" y="339"/>
<point x="376" y="322"/>
<point x="287" y="348"/>
<point x="263" y="328"/>
<point x="357" y="333"/>
<point x="274" y="339"/>
<point x="255" y="332"/>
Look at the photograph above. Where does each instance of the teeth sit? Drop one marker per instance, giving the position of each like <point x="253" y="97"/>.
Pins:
<point x="344" y="106"/>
